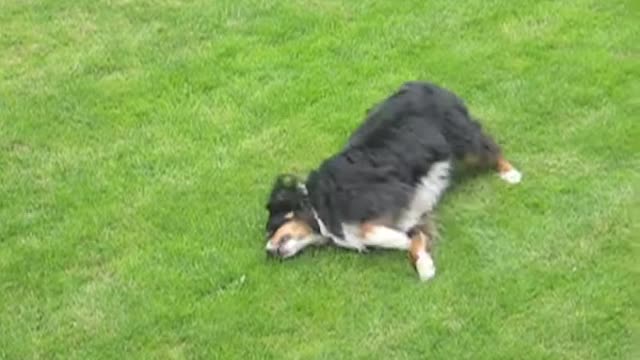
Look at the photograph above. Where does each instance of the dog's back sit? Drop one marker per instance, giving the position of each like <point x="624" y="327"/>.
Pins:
<point x="444" y="110"/>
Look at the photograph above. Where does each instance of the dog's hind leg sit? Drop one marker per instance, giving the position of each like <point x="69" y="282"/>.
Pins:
<point x="482" y="153"/>
<point x="422" y="238"/>
<point x="507" y="172"/>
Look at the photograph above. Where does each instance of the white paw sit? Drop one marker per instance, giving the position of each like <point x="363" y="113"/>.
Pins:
<point x="425" y="267"/>
<point x="512" y="176"/>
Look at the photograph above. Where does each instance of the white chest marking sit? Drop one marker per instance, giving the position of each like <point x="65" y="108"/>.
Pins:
<point x="350" y="240"/>
<point x="427" y="194"/>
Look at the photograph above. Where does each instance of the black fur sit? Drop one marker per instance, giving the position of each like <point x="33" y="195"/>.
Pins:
<point x="439" y="106"/>
<point x="375" y="175"/>
<point x="287" y="196"/>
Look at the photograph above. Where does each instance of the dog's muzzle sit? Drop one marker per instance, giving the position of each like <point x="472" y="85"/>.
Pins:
<point x="277" y="250"/>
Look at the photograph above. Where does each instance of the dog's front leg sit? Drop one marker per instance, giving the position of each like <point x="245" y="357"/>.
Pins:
<point x="349" y="242"/>
<point x="384" y="237"/>
<point x="351" y="239"/>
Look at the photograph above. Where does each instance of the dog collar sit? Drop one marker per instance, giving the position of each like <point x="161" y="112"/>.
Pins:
<point x="323" y="229"/>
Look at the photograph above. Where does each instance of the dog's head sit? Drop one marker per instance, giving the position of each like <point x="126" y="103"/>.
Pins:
<point x="291" y="225"/>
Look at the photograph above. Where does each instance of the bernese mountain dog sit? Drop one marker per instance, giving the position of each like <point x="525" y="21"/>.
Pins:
<point x="381" y="189"/>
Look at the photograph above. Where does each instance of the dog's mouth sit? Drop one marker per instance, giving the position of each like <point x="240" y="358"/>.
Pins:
<point x="289" y="239"/>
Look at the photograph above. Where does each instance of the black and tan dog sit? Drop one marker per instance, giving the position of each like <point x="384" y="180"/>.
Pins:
<point x="382" y="188"/>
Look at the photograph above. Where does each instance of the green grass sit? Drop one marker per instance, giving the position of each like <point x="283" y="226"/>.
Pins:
<point x="139" y="139"/>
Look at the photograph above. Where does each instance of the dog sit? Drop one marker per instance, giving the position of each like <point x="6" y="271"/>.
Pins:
<point x="381" y="189"/>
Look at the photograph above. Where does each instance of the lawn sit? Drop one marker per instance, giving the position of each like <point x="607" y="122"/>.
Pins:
<point x="139" y="140"/>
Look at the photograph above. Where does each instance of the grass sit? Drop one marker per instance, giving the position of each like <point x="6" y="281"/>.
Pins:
<point x="139" y="139"/>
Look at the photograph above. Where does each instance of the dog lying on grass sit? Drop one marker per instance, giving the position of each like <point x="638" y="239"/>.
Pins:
<point x="382" y="188"/>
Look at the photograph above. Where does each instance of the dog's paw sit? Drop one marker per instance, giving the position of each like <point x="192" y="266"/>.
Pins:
<point x="512" y="176"/>
<point x="425" y="267"/>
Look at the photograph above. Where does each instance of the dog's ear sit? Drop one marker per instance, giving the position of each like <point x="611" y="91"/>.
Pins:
<point x="285" y="195"/>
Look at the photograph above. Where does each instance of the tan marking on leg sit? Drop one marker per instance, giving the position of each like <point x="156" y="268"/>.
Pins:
<point x="420" y="257"/>
<point x="368" y="226"/>
<point x="366" y="229"/>
<point x="507" y="172"/>
<point x="423" y="236"/>
<point x="419" y="243"/>
<point x="503" y="165"/>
